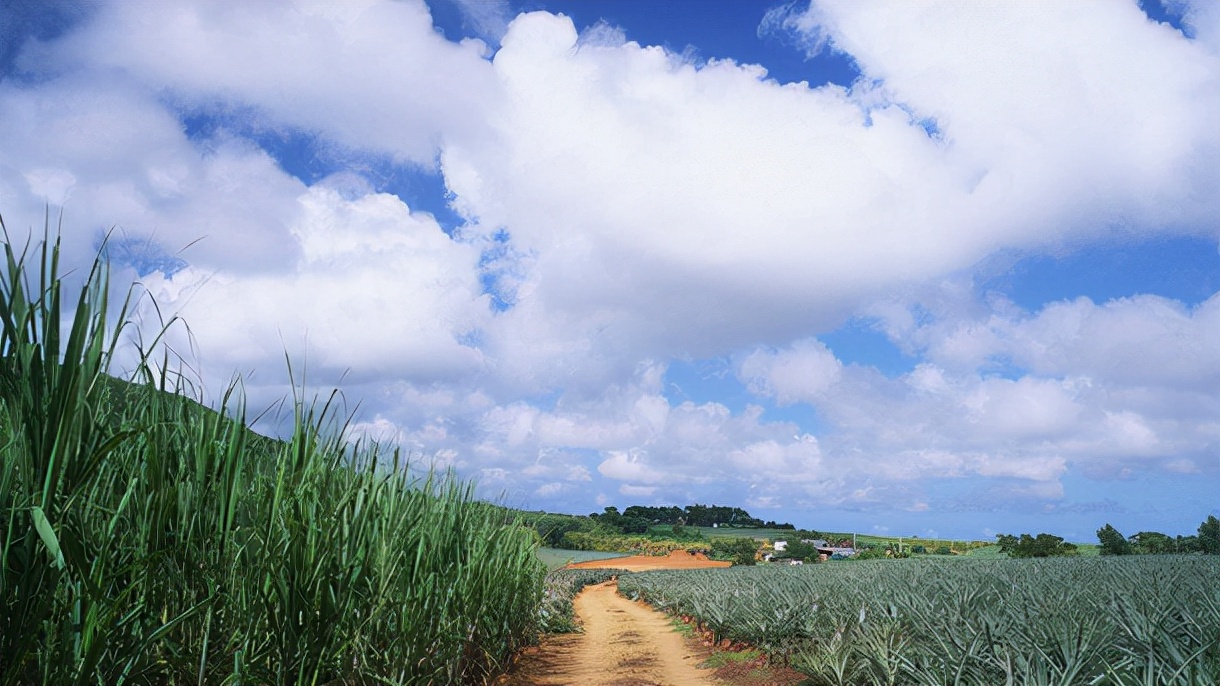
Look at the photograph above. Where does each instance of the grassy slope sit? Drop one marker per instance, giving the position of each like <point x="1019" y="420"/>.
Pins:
<point x="148" y="539"/>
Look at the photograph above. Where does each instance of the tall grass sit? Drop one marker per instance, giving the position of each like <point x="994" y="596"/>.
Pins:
<point x="148" y="540"/>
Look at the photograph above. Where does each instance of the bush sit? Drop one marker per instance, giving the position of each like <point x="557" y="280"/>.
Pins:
<point x="798" y="550"/>
<point x="740" y="551"/>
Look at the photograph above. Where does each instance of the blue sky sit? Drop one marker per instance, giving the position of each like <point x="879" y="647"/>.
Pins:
<point x="898" y="267"/>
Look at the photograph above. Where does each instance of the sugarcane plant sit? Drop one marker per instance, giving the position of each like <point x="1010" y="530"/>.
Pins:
<point x="148" y="539"/>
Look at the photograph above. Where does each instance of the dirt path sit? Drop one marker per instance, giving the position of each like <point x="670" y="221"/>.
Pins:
<point x="623" y="644"/>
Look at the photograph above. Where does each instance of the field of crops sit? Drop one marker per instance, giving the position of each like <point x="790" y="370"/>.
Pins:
<point x="1141" y="620"/>
<point x="147" y="540"/>
<point x="562" y="585"/>
<point x="554" y="558"/>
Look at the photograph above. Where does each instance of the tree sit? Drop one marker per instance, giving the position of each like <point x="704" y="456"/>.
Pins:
<point x="1044" y="545"/>
<point x="634" y="525"/>
<point x="1113" y="542"/>
<point x="740" y="551"/>
<point x="1152" y="543"/>
<point x="798" y="550"/>
<point x="1209" y="536"/>
<point x="1187" y="544"/>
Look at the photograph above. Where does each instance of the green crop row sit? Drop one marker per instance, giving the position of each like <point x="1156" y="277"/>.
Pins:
<point x="147" y="540"/>
<point x="1055" y="621"/>
<point x="562" y="585"/>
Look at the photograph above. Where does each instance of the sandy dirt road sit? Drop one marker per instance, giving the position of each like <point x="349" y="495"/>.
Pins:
<point x="623" y="644"/>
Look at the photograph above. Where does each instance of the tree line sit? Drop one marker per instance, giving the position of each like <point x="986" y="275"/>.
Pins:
<point x="638" y="518"/>
<point x="1206" y="541"/>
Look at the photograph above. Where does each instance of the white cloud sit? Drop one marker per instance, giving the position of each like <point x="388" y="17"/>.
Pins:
<point x="805" y="371"/>
<point x="1081" y="105"/>
<point x="117" y="158"/>
<point x="1140" y="340"/>
<point x="676" y="210"/>
<point x="1101" y="390"/>
<point x="374" y="291"/>
<point x="489" y="18"/>
<point x="659" y="211"/>
<point x="628" y="466"/>
<point x="367" y="74"/>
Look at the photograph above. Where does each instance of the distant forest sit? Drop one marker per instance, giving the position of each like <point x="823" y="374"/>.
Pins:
<point x="606" y="529"/>
<point x="637" y="516"/>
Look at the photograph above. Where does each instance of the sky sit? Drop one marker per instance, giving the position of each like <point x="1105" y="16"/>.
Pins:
<point x="924" y="269"/>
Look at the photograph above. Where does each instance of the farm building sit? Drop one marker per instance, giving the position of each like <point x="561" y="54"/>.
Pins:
<point x="826" y="548"/>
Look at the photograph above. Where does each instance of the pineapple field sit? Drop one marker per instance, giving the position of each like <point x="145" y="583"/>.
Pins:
<point x="1097" y="621"/>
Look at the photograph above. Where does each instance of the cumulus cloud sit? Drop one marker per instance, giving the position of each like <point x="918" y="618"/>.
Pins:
<point x="627" y="208"/>
<point x="802" y="372"/>
<point x="375" y="291"/>
<point x="1104" y="391"/>
<point x="368" y="74"/>
<point x="688" y="210"/>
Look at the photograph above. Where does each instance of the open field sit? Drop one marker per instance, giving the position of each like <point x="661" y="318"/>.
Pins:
<point x="1117" y="621"/>
<point x="554" y="558"/>
<point x="958" y="546"/>
<point x="732" y="532"/>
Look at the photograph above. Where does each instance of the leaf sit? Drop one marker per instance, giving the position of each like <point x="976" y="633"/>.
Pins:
<point x="47" y="534"/>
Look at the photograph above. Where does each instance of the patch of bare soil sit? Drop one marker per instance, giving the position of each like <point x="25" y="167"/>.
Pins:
<point x="626" y="643"/>
<point x="678" y="559"/>
<point x="623" y="644"/>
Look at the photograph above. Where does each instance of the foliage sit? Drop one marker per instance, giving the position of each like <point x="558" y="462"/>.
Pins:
<point x="873" y="553"/>
<point x="739" y="551"/>
<point x="639" y="519"/>
<point x="1209" y="536"/>
<point x="1150" y="542"/>
<point x="691" y="515"/>
<point x="1043" y="545"/>
<point x="1153" y="543"/>
<point x="551" y="528"/>
<point x="556" y="612"/>
<point x="637" y="545"/>
<point x="1112" y="542"/>
<point x="148" y="540"/>
<point x="1100" y="621"/>
<point x="799" y="550"/>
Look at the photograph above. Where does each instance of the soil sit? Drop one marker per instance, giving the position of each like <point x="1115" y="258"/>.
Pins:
<point x="627" y="643"/>
<point x="623" y="644"/>
<point x="678" y="559"/>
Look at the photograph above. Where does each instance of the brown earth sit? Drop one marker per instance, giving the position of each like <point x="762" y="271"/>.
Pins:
<point x="627" y="643"/>
<point x="623" y="644"/>
<point x="678" y="559"/>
